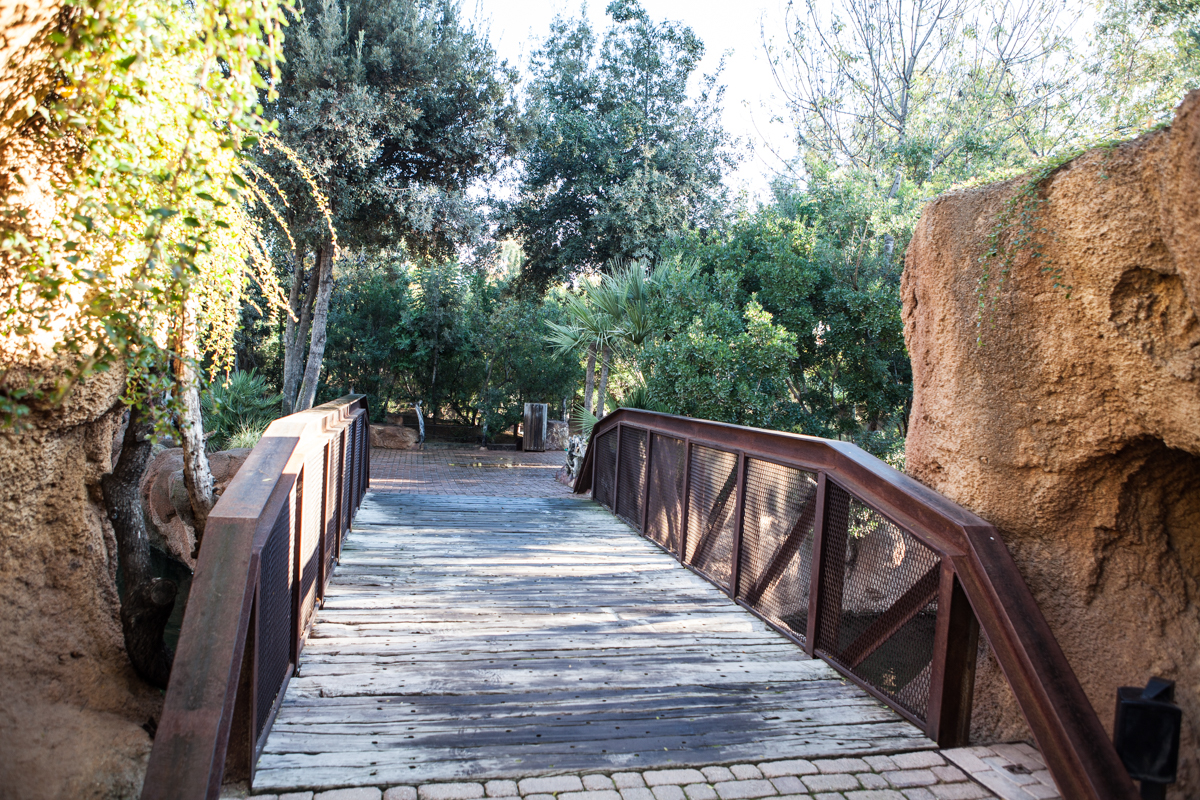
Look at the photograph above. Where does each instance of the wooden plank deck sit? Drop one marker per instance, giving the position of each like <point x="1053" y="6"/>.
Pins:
<point x="468" y="637"/>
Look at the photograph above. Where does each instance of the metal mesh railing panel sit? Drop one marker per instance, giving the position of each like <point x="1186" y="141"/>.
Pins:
<point x="346" y="473"/>
<point x="712" y="500"/>
<point x="664" y="514"/>
<point x="309" y="567"/>
<point x="604" y="469"/>
<point x="274" y="615"/>
<point x="879" y="606"/>
<point x="777" y="542"/>
<point x="355" y="462"/>
<point x="332" y="508"/>
<point x="631" y="482"/>
<point x="360" y="472"/>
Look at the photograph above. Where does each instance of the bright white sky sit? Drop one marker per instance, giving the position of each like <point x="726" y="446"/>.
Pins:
<point x="732" y="29"/>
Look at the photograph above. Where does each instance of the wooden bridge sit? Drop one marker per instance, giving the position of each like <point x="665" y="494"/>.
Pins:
<point x="791" y="602"/>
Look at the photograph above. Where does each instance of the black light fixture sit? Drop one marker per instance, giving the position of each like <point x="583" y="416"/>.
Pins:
<point x="1146" y="735"/>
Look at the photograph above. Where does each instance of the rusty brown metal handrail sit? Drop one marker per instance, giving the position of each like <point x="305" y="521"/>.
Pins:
<point x="792" y="527"/>
<point x="268" y="551"/>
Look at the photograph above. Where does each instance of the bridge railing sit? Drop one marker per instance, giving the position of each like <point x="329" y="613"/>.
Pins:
<point x="268" y="552"/>
<point x="880" y="576"/>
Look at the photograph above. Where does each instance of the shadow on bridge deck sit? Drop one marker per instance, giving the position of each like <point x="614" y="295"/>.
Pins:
<point x="481" y="637"/>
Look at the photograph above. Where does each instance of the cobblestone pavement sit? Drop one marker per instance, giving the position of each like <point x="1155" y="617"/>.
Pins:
<point x="1012" y="772"/>
<point x="468" y="471"/>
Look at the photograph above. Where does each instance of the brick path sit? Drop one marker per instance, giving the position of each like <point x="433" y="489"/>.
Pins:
<point x="1011" y="772"/>
<point x="468" y="471"/>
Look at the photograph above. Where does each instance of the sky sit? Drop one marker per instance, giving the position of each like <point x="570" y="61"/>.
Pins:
<point x="730" y="29"/>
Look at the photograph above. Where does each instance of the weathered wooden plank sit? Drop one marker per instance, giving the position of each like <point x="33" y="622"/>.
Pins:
<point x="485" y="637"/>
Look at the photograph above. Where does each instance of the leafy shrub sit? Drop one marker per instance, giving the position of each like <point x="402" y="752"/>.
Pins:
<point x="245" y="436"/>
<point x="238" y="408"/>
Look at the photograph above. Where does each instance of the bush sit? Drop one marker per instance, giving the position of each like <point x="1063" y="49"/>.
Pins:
<point x="238" y="408"/>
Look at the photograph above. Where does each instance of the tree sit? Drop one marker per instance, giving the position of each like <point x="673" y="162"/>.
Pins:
<point x="397" y="110"/>
<point x="910" y="89"/>
<point x="1146" y="57"/>
<point x="618" y="157"/>
<point x="141" y="258"/>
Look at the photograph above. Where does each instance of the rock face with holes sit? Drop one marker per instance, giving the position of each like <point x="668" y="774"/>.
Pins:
<point x="70" y="721"/>
<point x="1071" y="420"/>
<point x="165" y="502"/>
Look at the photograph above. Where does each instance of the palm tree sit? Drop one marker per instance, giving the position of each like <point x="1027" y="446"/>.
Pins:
<point x="612" y="314"/>
<point x="588" y="328"/>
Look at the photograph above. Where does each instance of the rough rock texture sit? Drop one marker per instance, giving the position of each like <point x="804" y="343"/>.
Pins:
<point x="165" y="501"/>
<point x="1075" y="426"/>
<point x="557" y="434"/>
<point x="72" y="709"/>
<point x="393" y="437"/>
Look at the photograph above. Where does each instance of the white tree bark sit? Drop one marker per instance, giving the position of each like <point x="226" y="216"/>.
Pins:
<point x="197" y="477"/>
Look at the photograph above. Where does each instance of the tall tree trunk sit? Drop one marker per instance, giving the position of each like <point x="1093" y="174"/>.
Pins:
<point x="605" y="357"/>
<point x="320" y="316"/>
<point x="294" y="333"/>
<point x="589" y="383"/>
<point x="197" y="477"/>
<point x="148" y="600"/>
<point x="487" y="381"/>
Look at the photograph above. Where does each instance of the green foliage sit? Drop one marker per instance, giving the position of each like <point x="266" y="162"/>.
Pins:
<point x="716" y="360"/>
<point x="397" y="108"/>
<point x="618" y="157"/>
<point x="453" y="336"/>
<point x="149" y="245"/>
<point x="236" y="408"/>
<point x="639" y="397"/>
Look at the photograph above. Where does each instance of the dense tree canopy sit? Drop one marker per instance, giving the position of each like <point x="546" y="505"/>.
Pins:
<point x="620" y="157"/>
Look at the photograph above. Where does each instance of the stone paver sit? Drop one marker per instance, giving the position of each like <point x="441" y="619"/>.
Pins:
<point x="598" y="794"/>
<point x="789" y="784"/>
<point x="1008" y="771"/>
<point x="636" y="794"/>
<point x="717" y="774"/>
<point x="744" y="790"/>
<point x="836" y="765"/>
<point x="745" y="772"/>
<point x="500" y="788"/>
<point x="551" y="785"/>
<point x="628" y="780"/>
<point x="908" y="778"/>
<point x="700" y="791"/>
<point x="596" y="782"/>
<point x="357" y="793"/>
<point x="451" y="791"/>
<point x="839" y="782"/>
<point x="679" y="777"/>
<point x="468" y="471"/>
<point x="401" y="793"/>
<point x="668" y="792"/>
<point x="920" y="760"/>
<point x="775" y="769"/>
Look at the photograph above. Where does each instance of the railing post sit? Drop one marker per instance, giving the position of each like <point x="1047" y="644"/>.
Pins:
<point x="952" y="677"/>
<point x="739" y="506"/>
<point x="297" y="565"/>
<point x="646" y="480"/>
<point x="814" y="579"/>
<point x="687" y="488"/>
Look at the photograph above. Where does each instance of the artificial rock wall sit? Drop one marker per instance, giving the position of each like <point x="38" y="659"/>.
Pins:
<point x="1074" y="425"/>
<point x="71" y="707"/>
